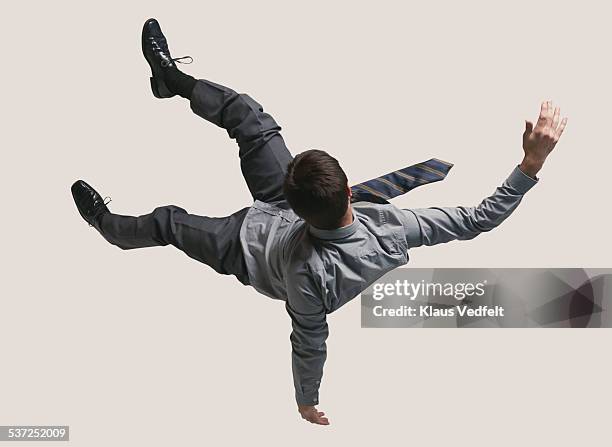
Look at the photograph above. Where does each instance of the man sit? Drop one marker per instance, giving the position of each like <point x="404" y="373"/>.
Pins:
<point x="304" y="240"/>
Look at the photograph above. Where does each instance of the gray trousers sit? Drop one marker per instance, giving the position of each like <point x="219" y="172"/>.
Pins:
<point x="215" y="241"/>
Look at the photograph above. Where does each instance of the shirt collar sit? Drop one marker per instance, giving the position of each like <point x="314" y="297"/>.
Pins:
<point x="337" y="233"/>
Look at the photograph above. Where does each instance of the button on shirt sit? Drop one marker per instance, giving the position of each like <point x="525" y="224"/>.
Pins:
<point x="317" y="271"/>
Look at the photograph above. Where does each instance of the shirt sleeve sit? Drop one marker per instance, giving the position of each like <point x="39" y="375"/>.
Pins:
<point x="309" y="350"/>
<point x="430" y="226"/>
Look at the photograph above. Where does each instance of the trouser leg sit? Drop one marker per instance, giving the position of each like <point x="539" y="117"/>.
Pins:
<point x="263" y="154"/>
<point x="215" y="241"/>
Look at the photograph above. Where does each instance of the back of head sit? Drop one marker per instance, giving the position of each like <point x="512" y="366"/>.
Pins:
<point x="316" y="188"/>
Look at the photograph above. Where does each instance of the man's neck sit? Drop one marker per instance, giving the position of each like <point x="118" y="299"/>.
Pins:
<point x="347" y="219"/>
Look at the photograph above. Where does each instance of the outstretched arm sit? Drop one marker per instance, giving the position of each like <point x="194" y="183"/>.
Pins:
<point x="430" y="226"/>
<point x="309" y="353"/>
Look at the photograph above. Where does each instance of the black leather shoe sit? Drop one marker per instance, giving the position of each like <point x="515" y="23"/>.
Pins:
<point x="90" y="204"/>
<point x="157" y="54"/>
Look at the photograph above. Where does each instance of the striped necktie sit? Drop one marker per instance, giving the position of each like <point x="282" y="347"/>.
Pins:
<point x="381" y="189"/>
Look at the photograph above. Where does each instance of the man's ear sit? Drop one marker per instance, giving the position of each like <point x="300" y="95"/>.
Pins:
<point x="349" y="191"/>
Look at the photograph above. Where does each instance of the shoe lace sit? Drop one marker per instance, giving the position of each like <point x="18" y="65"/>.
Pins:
<point x="160" y="45"/>
<point x="180" y="60"/>
<point x="100" y="207"/>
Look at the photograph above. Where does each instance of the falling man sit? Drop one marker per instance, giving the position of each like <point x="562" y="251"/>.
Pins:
<point x="308" y="239"/>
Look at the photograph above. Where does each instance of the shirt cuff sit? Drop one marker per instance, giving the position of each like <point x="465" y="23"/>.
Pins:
<point x="412" y="228"/>
<point x="307" y="398"/>
<point x="520" y="181"/>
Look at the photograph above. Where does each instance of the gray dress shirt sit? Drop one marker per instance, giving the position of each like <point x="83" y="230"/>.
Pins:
<point x="317" y="271"/>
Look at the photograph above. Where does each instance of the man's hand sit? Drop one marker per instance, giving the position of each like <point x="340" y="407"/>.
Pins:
<point x="538" y="142"/>
<point x="311" y="414"/>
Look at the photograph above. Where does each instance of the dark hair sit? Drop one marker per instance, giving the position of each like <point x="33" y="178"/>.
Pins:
<point x="315" y="187"/>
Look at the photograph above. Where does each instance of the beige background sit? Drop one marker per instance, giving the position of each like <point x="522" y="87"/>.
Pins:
<point x="151" y="348"/>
